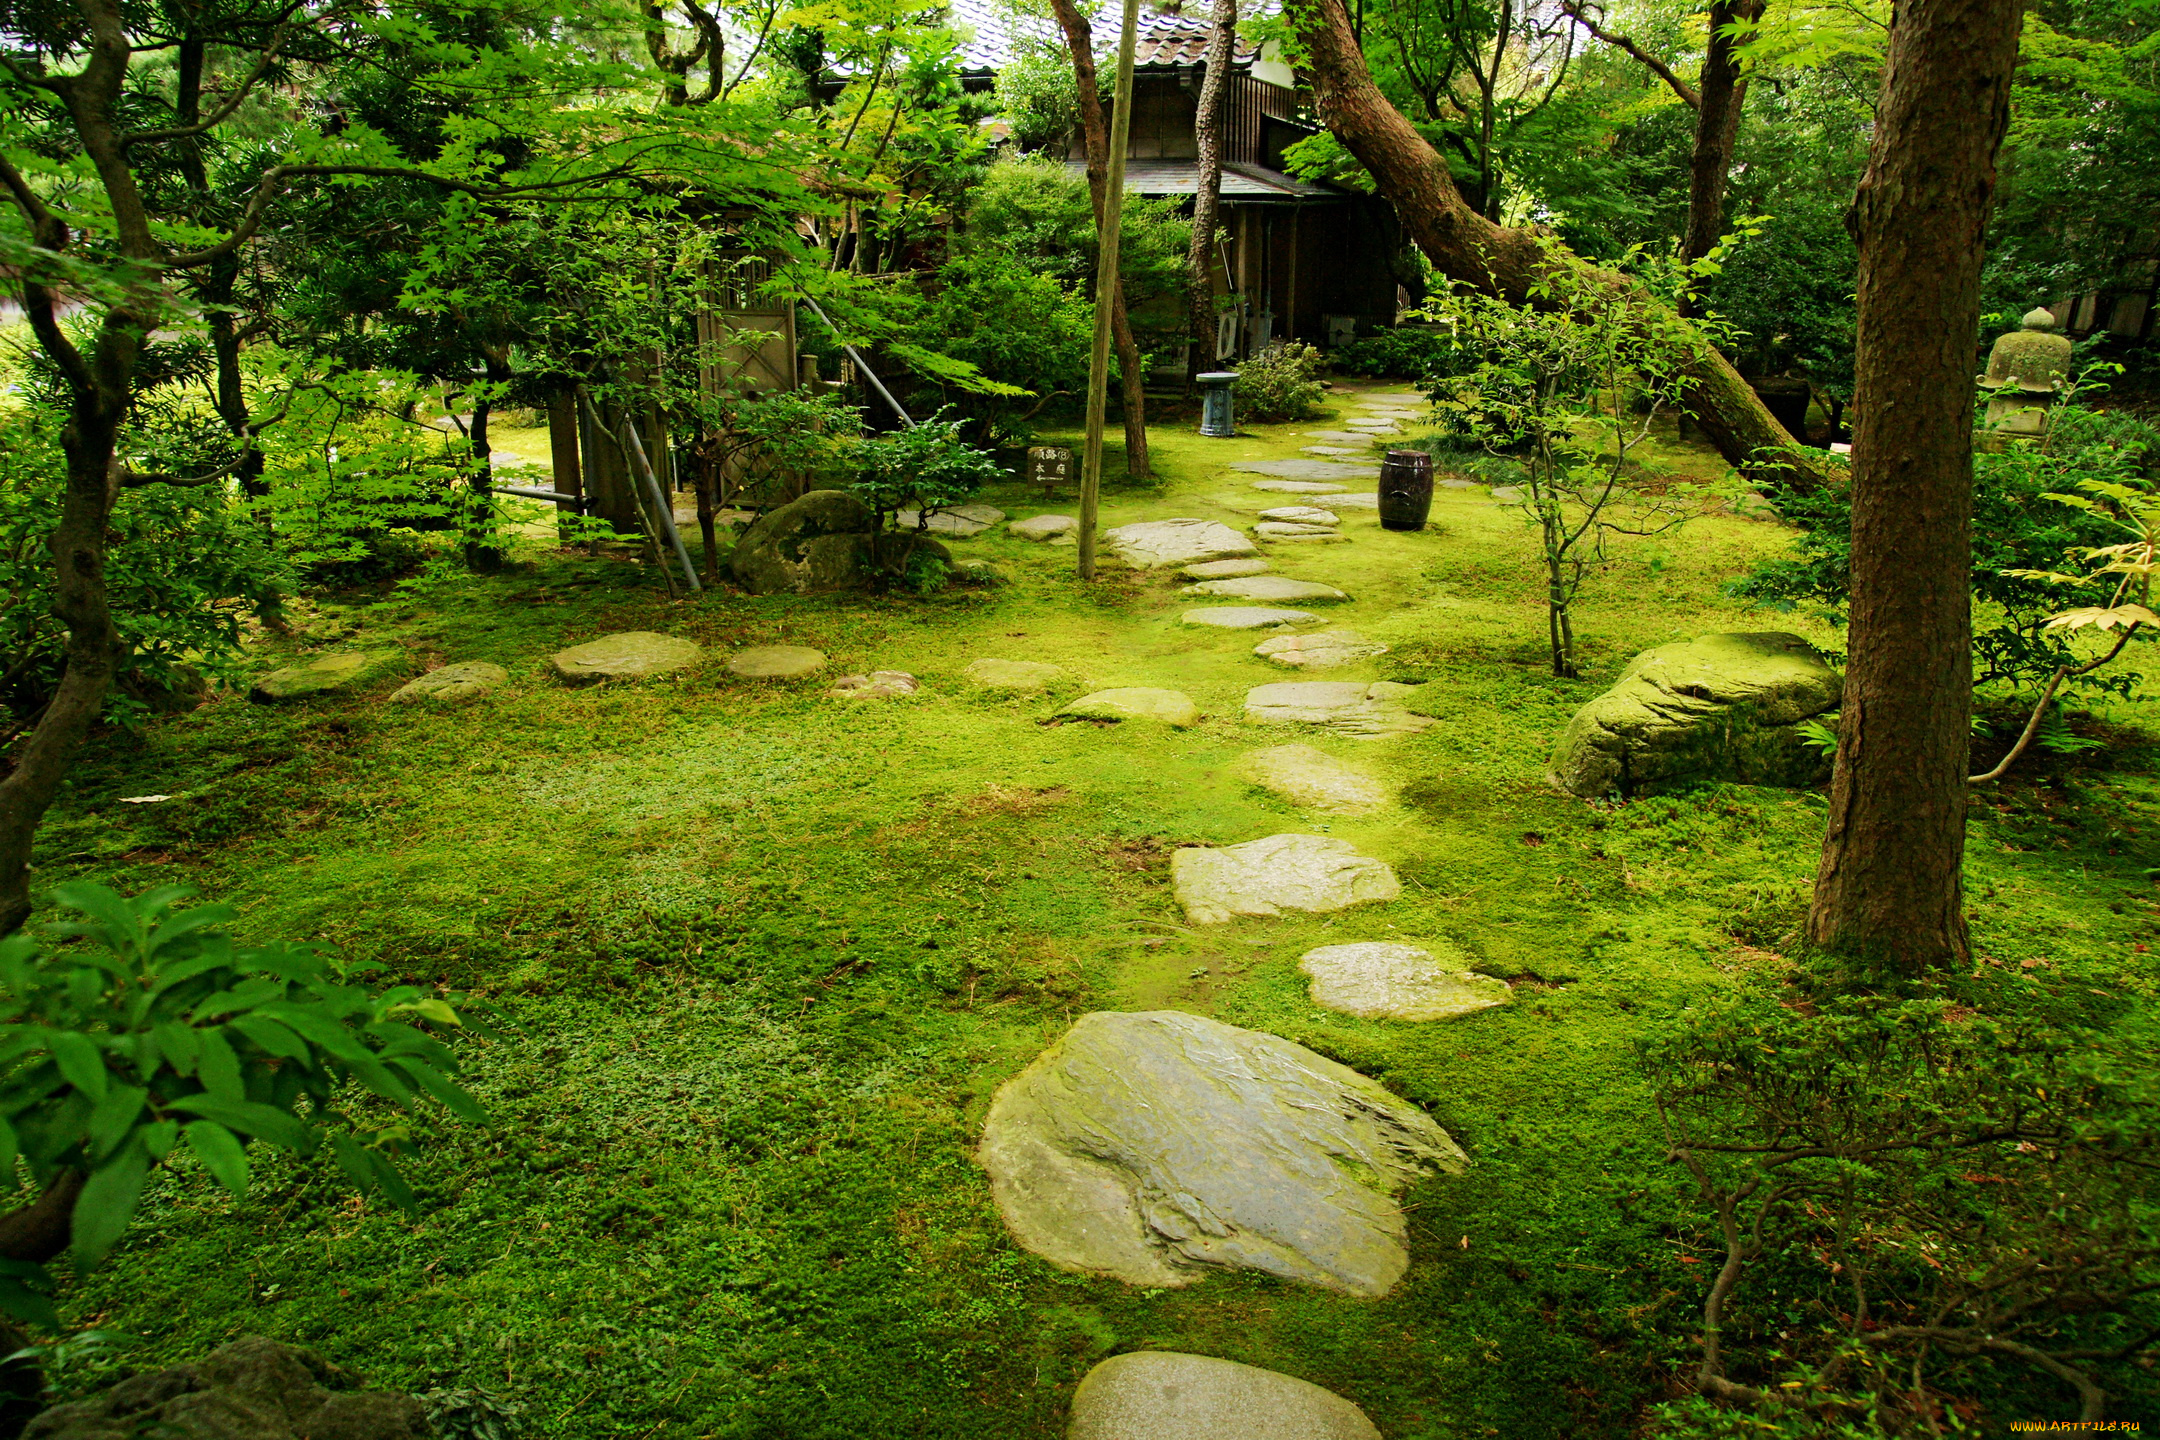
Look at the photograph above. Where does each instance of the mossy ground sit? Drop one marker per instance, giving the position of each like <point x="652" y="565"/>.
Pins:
<point x="770" y="953"/>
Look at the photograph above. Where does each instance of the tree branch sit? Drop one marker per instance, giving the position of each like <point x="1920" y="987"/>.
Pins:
<point x="246" y="87"/>
<point x="1687" y="93"/>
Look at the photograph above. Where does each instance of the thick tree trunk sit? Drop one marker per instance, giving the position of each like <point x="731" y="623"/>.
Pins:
<point x="1207" y="132"/>
<point x="1508" y="262"/>
<point x="1722" y="93"/>
<point x="1889" y="887"/>
<point x="1095" y="132"/>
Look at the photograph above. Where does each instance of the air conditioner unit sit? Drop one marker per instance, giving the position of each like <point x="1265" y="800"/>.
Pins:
<point x="1338" y="330"/>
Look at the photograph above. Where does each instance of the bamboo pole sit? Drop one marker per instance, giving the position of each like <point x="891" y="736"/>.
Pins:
<point x="1106" y="286"/>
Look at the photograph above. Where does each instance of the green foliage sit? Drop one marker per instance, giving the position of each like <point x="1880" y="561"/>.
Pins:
<point x="925" y="468"/>
<point x="1282" y="382"/>
<point x="1400" y="352"/>
<point x="153" y="1028"/>
<point x="1016" y="323"/>
<point x="1040" y="98"/>
<point x="1038" y="212"/>
<point x="1786" y="289"/>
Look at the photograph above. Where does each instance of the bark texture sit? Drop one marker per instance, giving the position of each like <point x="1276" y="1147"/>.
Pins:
<point x="1722" y="93"/>
<point x="1095" y="132"/>
<point x="1465" y="246"/>
<point x="1889" y="887"/>
<point x="1207" y="132"/>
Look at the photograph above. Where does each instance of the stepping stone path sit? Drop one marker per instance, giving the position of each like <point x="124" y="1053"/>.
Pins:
<point x="333" y="674"/>
<point x="1044" y="527"/>
<point x="1301" y="487"/>
<point x="1224" y="569"/>
<point x="1348" y="707"/>
<point x="452" y="685"/>
<point x="1354" y="502"/>
<point x="1012" y="674"/>
<point x="1171" y="707"/>
<point x="1165" y="1395"/>
<point x="1396" y="397"/>
<point x="1313" y="779"/>
<point x="1329" y="450"/>
<point x="1153" y="544"/>
<point x="1152" y="1146"/>
<point x="1269" y="587"/>
<point x="1378" y="427"/>
<point x="1246" y="617"/>
<point x="1321" y="650"/>
<point x="1302" y="515"/>
<point x="776" y="662"/>
<point x="1335" y="435"/>
<point x="962" y="522"/>
<point x="1450" y="482"/>
<point x="877" y="685"/>
<point x="1507" y="494"/>
<point x="1293" y="530"/>
<point x="632" y="655"/>
<point x="1380" y="981"/>
<point x="1313" y="873"/>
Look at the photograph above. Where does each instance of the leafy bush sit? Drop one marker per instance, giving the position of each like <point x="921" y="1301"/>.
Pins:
<point x="155" y="1028"/>
<point x="1038" y="211"/>
<point x="1016" y="324"/>
<point x="923" y="469"/>
<point x="1399" y="352"/>
<point x="1282" y="382"/>
<point x="1040" y="97"/>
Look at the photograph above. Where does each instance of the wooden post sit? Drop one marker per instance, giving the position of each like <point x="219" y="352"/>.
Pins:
<point x="1106" y="287"/>
<point x="563" y="450"/>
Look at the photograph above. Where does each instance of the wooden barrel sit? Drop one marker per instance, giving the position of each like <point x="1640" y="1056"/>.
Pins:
<point x="1405" y="489"/>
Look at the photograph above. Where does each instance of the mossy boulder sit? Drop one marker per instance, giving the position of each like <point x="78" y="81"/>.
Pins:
<point x="821" y="541"/>
<point x="632" y="655"/>
<point x="457" y="684"/>
<point x="1721" y="707"/>
<point x="252" y="1389"/>
<point x="1165" y="1395"/>
<point x="337" y="673"/>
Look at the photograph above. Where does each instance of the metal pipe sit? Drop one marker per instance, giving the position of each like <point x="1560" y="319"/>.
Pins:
<point x="529" y="493"/>
<point x="861" y="364"/>
<point x="663" y="508"/>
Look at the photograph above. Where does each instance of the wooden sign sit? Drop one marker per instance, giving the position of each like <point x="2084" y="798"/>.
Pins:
<point x="1049" y="466"/>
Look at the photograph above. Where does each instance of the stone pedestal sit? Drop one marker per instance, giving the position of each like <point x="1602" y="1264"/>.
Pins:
<point x="1218" y="415"/>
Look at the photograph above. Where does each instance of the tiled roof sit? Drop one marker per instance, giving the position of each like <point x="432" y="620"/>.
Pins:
<point x="1156" y="178"/>
<point x="1163" y="39"/>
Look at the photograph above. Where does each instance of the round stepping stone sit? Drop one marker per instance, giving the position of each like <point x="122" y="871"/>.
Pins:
<point x="1352" y="435"/>
<point x="1153" y="544"/>
<point x="1224" y="569"/>
<point x="1313" y="873"/>
<point x="1246" y="617"/>
<point x="452" y="685"/>
<point x="1012" y="674"/>
<point x="1320" y="650"/>
<point x="1324" y="537"/>
<point x="1446" y="482"/>
<point x="1348" y="707"/>
<point x="1289" y="530"/>
<point x="1171" y="707"/>
<point x="877" y="685"/>
<point x="632" y="655"/>
<point x="1153" y="1146"/>
<point x="1313" y="779"/>
<point x="333" y="674"/>
<point x="1301" y="487"/>
<point x="1308" y="469"/>
<point x="1302" y="515"/>
<point x="1164" y="1395"/>
<point x="1278" y="588"/>
<point x="776" y="662"/>
<point x="1380" y="981"/>
<point x="1044" y="527"/>
<point x="1507" y="494"/>
<point x="961" y="522"/>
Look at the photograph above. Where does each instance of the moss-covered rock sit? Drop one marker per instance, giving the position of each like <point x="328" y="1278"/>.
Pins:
<point x="821" y="541"/>
<point x="1721" y="707"/>
<point x="452" y="685"/>
<point x="337" y="673"/>
<point x="252" y="1389"/>
<point x="632" y="655"/>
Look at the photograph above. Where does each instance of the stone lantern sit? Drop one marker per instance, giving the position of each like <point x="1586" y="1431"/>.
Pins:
<point x="2026" y="369"/>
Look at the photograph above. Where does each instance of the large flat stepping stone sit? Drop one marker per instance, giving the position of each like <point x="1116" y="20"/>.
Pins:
<point x="1394" y="397"/>
<point x="1293" y="530"/>
<point x="1348" y="707"/>
<point x="458" y="684"/>
<point x="1301" y="487"/>
<point x="1313" y="779"/>
<point x="1170" y="707"/>
<point x="1151" y="1147"/>
<point x="1012" y="674"/>
<point x="1246" y="617"/>
<point x="1322" y="450"/>
<point x="962" y="522"/>
<point x="1043" y="527"/>
<point x="1224" y="569"/>
<point x="1381" y="981"/>
<point x="1164" y="1395"/>
<point x="1153" y="544"/>
<point x="775" y="662"/>
<point x="1270" y="587"/>
<point x="1308" y="469"/>
<point x="1302" y="515"/>
<point x="337" y="673"/>
<point x="1320" y="650"/>
<point x="1354" y="436"/>
<point x="632" y="655"/>
<point x="1353" y="502"/>
<point x="1313" y="873"/>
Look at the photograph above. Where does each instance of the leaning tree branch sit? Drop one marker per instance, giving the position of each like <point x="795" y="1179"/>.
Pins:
<point x="246" y="87"/>
<point x="1689" y="96"/>
<point x="2047" y="696"/>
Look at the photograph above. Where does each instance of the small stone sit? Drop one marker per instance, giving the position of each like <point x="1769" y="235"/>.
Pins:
<point x="1299" y="487"/>
<point x="775" y="662"/>
<point x="1348" y="707"/>
<point x="632" y="655"/>
<point x="1064" y="540"/>
<point x="1507" y="494"/>
<point x="1043" y="527"/>
<point x="1224" y="569"/>
<point x="1164" y="1395"/>
<point x="1329" y="470"/>
<point x="1171" y="707"/>
<point x="1339" y="436"/>
<point x="1277" y="588"/>
<point x="1354" y="502"/>
<point x="1287" y="529"/>
<point x="962" y="522"/>
<point x="1302" y="515"/>
<point x="877" y="685"/>
<point x="452" y="684"/>
<point x="1380" y="981"/>
<point x="1246" y="617"/>
<point x="1153" y="544"/>
<point x="1012" y="674"/>
<point x="1318" y="537"/>
<point x="979" y="572"/>
<point x="1326" y="450"/>
<point x="1311" y="873"/>
<point x="333" y="674"/>
<point x="1320" y="650"/>
<point x="1313" y="779"/>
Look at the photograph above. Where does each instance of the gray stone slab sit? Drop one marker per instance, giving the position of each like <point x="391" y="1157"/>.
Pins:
<point x="632" y="655"/>
<point x="775" y="662"/>
<point x="1348" y="707"/>
<point x="1302" y="515"/>
<point x="1170" y="707"/>
<point x="1353" y="502"/>
<point x="877" y="685"/>
<point x="1278" y="588"/>
<point x="1339" y="435"/>
<point x="1312" y="873"/>
<point x="1246" y="617"/>
<point x="333" y="674"/>
<point x="1381" y="981"/>
<point x="960" y="522"/>
<point x="1289" y="529"/>
<point x="1332" y="450"/>
<point x="1043" y="527"/>
<point x="1313" y="779"/>
<point x="1308" y="469"/>
<point x="1164" y="1395"/>
<point x="1153" y="544"/>
<point x="1301" y="487"/>
<point x="458" y="684"/>
<point x="1224" y="569"/>
<point x="1320" y="650"/>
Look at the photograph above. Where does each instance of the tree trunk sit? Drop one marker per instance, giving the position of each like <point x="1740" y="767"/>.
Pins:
<point x="1722" y="93"/>
<point x="1889" y="887"/>
<point x="1095" y="131"/>
<point x="1207" y="132"/>
<point x="482" y="556"/>
<point x="1508" y="262"/>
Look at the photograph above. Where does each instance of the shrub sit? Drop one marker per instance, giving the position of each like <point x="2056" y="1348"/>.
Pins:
<point x="925" y="468"/>
<point x="1282" y="382"/>
<point x="1399" y="353"/>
